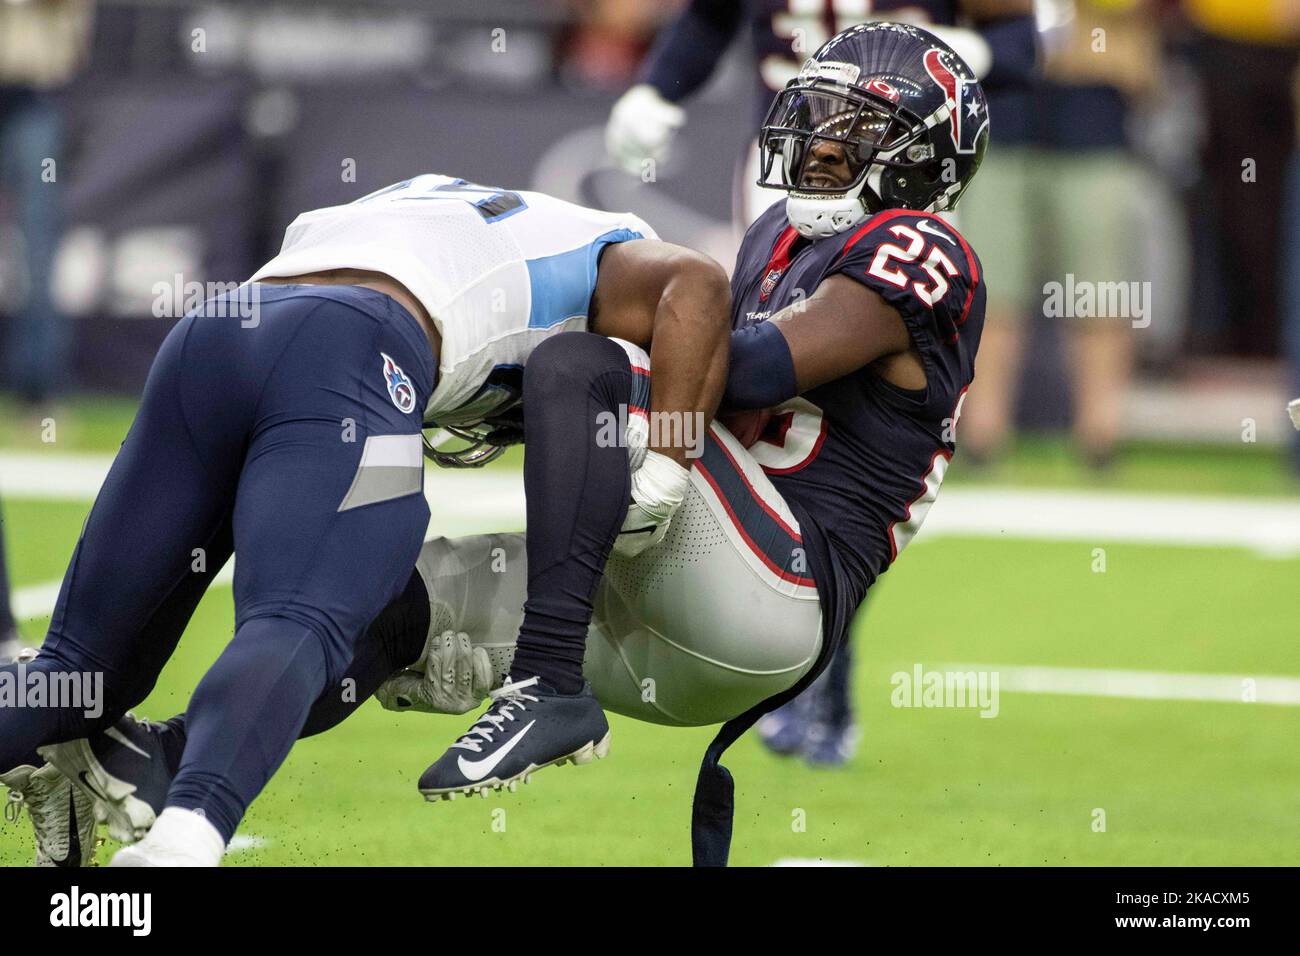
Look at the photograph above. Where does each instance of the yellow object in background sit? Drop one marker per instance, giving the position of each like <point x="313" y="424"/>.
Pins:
<point x="1252" y="21"/>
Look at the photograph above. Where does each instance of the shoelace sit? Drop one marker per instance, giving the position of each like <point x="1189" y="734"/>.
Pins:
<point x="14" y="809"/>
<point x="14" y="806"/>
<point x="41" y="820"/>
<point x="505" y="701"/>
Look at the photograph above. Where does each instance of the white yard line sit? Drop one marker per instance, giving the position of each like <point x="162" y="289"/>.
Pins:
<point x="53" y="476"/>
<point x="38" y="600"/>
<point x="1270" y="526"/>
<point x="1144" y="685"/>
<point x="241" y="843"/>
<point x="35" y="601"/>
<point x="463" y="502"/>
<point x="818" y="861"/>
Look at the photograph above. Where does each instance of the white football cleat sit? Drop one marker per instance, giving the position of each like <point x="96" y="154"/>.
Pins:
<point x="62" y="816"/>
<point x="178" y="838"/>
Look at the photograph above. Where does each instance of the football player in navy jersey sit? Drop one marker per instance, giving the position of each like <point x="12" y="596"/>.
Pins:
<point x="996" y="39"/>
<point x="857" y="310"/>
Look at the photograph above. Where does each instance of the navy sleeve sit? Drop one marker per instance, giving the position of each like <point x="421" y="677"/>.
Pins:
<point x="686" y="53"/>
<point x="1014" y="44"/>
<point x="760" y="373"/>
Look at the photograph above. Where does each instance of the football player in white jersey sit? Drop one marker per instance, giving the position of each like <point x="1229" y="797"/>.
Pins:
<point x="696" y="630"/>
<point x="283" y="422"/>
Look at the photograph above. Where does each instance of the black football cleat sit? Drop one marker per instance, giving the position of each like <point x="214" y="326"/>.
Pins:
<point x="124" y="770"/>
<point x="526" y="727"/>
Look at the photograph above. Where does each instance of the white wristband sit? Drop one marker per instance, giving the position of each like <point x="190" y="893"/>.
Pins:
<point x="659" y="485"/>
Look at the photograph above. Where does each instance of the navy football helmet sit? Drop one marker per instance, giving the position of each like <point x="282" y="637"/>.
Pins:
<point x="907" y="112"/>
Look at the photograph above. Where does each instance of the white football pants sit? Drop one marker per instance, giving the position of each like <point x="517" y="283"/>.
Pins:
<point x="720" y="615"/>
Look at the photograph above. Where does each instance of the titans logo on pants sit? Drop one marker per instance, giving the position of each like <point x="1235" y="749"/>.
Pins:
<point x="400" y="389"/>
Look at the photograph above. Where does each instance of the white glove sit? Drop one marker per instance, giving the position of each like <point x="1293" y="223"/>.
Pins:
<point x="641" y="126"/>
<point x="658" y="488"/>
<point x="451" y="677"/>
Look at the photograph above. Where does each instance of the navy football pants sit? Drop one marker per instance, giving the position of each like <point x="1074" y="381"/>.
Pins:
<point x="577" y="498"/>
<point x="282" y="440"/>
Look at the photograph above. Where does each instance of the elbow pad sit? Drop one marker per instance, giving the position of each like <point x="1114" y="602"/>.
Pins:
<point x="761" y="373"/>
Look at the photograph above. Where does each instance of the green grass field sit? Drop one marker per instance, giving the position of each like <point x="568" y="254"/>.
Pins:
<point x="1179" y="782"/>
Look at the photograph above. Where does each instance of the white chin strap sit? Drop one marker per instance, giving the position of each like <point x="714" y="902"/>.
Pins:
<point x="818" y="217"/>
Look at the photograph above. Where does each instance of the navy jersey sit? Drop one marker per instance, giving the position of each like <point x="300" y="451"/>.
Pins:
<point x="859" y="460"/>
<point x="787" y="32"/>
<point x="784" y="32"/>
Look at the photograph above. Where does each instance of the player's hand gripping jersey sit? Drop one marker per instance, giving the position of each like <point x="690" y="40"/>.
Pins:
<point x="498" y="271"/>
<point x="860" y="460"/>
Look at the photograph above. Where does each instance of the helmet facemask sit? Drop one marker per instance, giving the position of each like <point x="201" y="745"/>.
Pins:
<point x="871" y="134"/>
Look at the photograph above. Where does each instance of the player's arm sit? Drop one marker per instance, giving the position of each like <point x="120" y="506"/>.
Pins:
<point x="686" y="53"/>
<point x="842" y="327"/>
<point x="676" y="303"/>
<point x="646" y="117"/>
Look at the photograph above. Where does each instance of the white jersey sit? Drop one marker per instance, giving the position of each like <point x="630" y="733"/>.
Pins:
<point x="497" y="270"/>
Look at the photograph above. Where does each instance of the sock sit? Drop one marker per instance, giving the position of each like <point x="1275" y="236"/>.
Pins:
<point x="577" y="488"/>
<point x="185" y="835"/>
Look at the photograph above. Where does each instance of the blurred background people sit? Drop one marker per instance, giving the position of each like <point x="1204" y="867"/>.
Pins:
<point x="42" y="45"/>
<point x="1055" y="202"/>
<point x="1290" y="290"/>
<point x="607" y="44"/>
<point x="1244" y="55"/>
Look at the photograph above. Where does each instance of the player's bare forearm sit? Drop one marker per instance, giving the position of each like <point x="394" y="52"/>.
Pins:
<point x="676" y="303"/>
<point x="689" y="357"/>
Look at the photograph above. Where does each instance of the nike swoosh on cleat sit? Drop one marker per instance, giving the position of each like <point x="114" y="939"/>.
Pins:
<point x="73" y="857"/>
<point x="114" y="734"/>
<point x="478" y="769"/>
<point x="94" y="791"/>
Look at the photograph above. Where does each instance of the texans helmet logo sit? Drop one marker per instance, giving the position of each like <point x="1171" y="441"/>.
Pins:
<point x="884" y="88"/>
<point x="400" y="389"/>
<point x="967" y="112"/>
